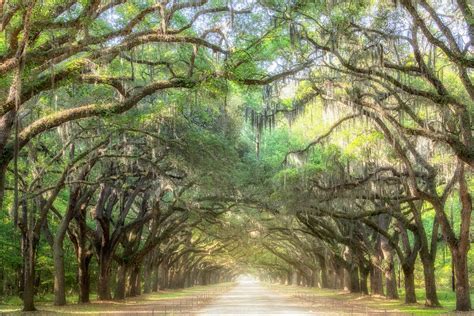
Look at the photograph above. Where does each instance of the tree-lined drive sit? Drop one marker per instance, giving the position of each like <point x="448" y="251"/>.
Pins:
<point x="162" y="144"/>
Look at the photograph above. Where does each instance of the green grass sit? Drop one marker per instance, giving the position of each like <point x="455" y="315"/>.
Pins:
<point x="447" y="299"/>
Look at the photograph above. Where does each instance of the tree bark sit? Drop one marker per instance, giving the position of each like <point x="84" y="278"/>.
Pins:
<point x="376" y="284"/>
<point x="391" y="282"/>
<point x="389" y="266"/>
<point x="460" y="249"/>
<point x="147" y="280"/>
<point x="364" y="275"/>
<point x="29" y="258"/>
<point x="346" y="279"/>
<point x="410" y="295"/>
<point x="354" y="280"/>
<point x="59" y="278"/>
<point x="338" y="276"/>
<point x="316" y="280"/>
<point x="164" y="280"/>
<point x="84" y="277"/>
<point x="135" y="281"/>
<point x="324" y="274"/>
<point x="120" y="286"/>
<point x="156" y="278"/>
<point x="430" y="281"/>
<point x="58" y="259"/>
<point x="298" y="278"/>
<point x="103" y="289"/>
<point x="463" y="300"/>
<point x="288" y="278"/>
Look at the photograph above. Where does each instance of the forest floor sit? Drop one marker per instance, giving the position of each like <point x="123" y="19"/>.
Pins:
<point x="167" y="302"/>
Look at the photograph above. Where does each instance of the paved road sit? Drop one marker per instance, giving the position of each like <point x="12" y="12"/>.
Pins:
<point x="251" y="298"/>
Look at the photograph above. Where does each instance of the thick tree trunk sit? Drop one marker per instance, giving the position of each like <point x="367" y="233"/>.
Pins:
<point x="391" y="283"/>
<point x="347" y="279"/>
<point x="187" y="279"/>
<point x="83" y="257"/>
<point x="294" y="278"/>
<point x="135" y="281"/>
<point x="288" y="278"/>
<point x="324" y="274"/>
<point x="410" y="295"/>
<point x="463" y="300"/>
<point x="29" y="252"/>
<point x="316" y="278"/>
<point x="351" y="273"/>
<point x="364" y="275"/>
<point x="164" y="279"/>
<point x="58" y="254"/>
<point x="376" y="283"/>
<point x="193" y="277"/>
<point x="147" y="280"/>
<point x="84" y="277"/>
<point x="210" y="275"/>
<point x="201" y="277"/>
<point x="376" y="277"/>
<point x="459" y="250"/>
<point x="338" y="277"/>
<point x="120" y="286"/>
<point x="389" y="269"/>
<point x="103" y="290"/>
<point x="298" y="278"/>
<point x="430" y="281"/>
<point x="59" y="277"/>
<point x="131" y="283"/>
<point x="206" y="278"/>
<point x="354" y="280"/>
<point x="156" y="278"/>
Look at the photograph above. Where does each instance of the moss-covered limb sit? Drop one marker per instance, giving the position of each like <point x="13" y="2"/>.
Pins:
<point x="54" y="78"/>
<point x="60" y="48"/>
<point x="53" y="120"/>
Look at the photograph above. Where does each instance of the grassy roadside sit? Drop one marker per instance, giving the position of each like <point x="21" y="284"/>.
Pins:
<point x="337" y="299"/>
<point x="172" y="301"/>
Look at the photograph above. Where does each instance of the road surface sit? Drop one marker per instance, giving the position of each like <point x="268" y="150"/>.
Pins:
<point x="251" y="298"/>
